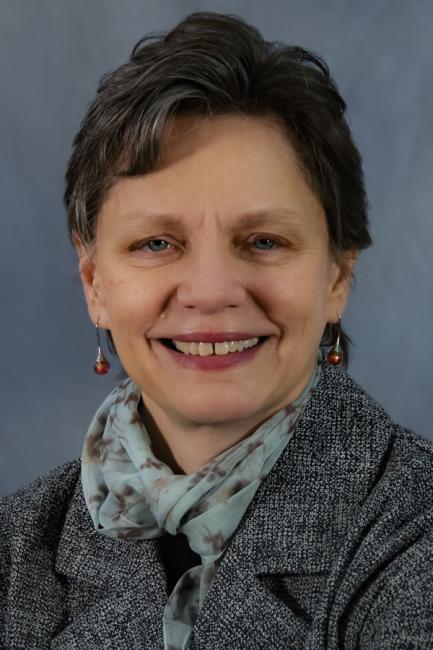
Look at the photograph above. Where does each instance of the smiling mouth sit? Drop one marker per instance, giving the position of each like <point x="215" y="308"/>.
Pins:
<point x="208" y="349"/>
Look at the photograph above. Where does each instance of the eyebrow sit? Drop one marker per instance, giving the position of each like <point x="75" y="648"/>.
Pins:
<point x="278" y="216"/>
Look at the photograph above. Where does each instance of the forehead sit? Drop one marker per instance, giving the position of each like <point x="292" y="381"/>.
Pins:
<point x="225" y="140"/>
<point x="229" y="166"/>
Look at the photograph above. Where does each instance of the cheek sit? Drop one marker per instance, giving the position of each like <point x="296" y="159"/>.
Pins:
<point x="130" y="302"/>
<point x="302" y="294"/>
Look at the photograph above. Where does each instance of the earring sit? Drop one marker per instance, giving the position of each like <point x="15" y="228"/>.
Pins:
<point x="335" y="355"/>
<point x="101" y="366"/>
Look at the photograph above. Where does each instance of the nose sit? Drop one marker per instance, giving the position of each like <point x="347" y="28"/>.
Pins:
<point x="212" y="279"/>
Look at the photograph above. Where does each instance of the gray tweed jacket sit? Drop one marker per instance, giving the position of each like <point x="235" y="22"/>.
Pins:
<point x="335" y="550"/>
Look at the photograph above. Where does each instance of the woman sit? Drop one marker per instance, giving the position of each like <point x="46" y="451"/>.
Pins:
<point x="237" y="489"/>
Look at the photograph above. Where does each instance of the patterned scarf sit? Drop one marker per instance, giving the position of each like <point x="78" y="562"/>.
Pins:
<point x="131" y="494"/>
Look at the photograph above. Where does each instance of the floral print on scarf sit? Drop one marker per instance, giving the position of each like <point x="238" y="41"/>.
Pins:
<point x="131" y="494"/>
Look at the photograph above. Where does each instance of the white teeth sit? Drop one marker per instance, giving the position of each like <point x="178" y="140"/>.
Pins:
<point x="223" y="348"/>
<point x="206" y="349"/>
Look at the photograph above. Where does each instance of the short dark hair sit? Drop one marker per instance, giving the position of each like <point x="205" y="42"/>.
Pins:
<point x="216" y="64"/>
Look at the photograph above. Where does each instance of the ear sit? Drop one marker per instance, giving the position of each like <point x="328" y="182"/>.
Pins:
<point x="87" y="264"/>
<point x="340" y="284"/>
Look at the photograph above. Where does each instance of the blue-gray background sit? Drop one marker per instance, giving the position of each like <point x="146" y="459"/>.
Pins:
<point x="52" y="55"/>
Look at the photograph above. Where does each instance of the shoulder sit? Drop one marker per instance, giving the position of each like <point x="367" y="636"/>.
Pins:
<point x="40" y="505"/>
<point x="378" y="487"/>
<point x="381" y="471"/>
<point x="31" y="523"/>
<point x="360" y="423"/>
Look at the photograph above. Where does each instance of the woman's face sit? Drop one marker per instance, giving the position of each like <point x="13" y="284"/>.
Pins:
<point x="225" y="237"/>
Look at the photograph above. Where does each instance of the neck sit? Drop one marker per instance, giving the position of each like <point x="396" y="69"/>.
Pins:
<point x="183" y="451"/>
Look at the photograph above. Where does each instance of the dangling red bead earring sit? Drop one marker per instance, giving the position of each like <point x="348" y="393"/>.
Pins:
<point x="335" y="355"/>
<point x="101" y="366"/>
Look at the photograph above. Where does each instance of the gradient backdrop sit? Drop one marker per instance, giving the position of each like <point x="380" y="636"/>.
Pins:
<point x="52" y="55"/>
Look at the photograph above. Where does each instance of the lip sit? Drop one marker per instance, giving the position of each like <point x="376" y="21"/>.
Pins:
<point x="214" y="361"/>
<point x="213" y="337"/>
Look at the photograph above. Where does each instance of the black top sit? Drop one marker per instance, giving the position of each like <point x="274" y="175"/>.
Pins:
<point x="177" y="557"/>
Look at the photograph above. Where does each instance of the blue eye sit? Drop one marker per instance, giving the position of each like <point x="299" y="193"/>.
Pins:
<point x="268" y="241"/>
<point x="156" y="249"/>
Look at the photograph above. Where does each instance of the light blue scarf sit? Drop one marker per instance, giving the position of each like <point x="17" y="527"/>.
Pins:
<point x="131" y="494"/>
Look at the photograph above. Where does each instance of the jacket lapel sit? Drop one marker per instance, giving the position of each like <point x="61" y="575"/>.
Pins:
<point x="270" y="576"/>
<point x="115" y="588"/>
<point x="273" y="575"/>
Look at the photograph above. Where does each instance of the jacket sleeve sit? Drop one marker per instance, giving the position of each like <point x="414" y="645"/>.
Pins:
<point x="380" y="588"/>
<point x="4" y="567"/>
<point x="401" y="615"/>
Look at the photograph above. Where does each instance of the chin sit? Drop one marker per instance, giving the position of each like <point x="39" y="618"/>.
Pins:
<point x="213" y="414"/>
